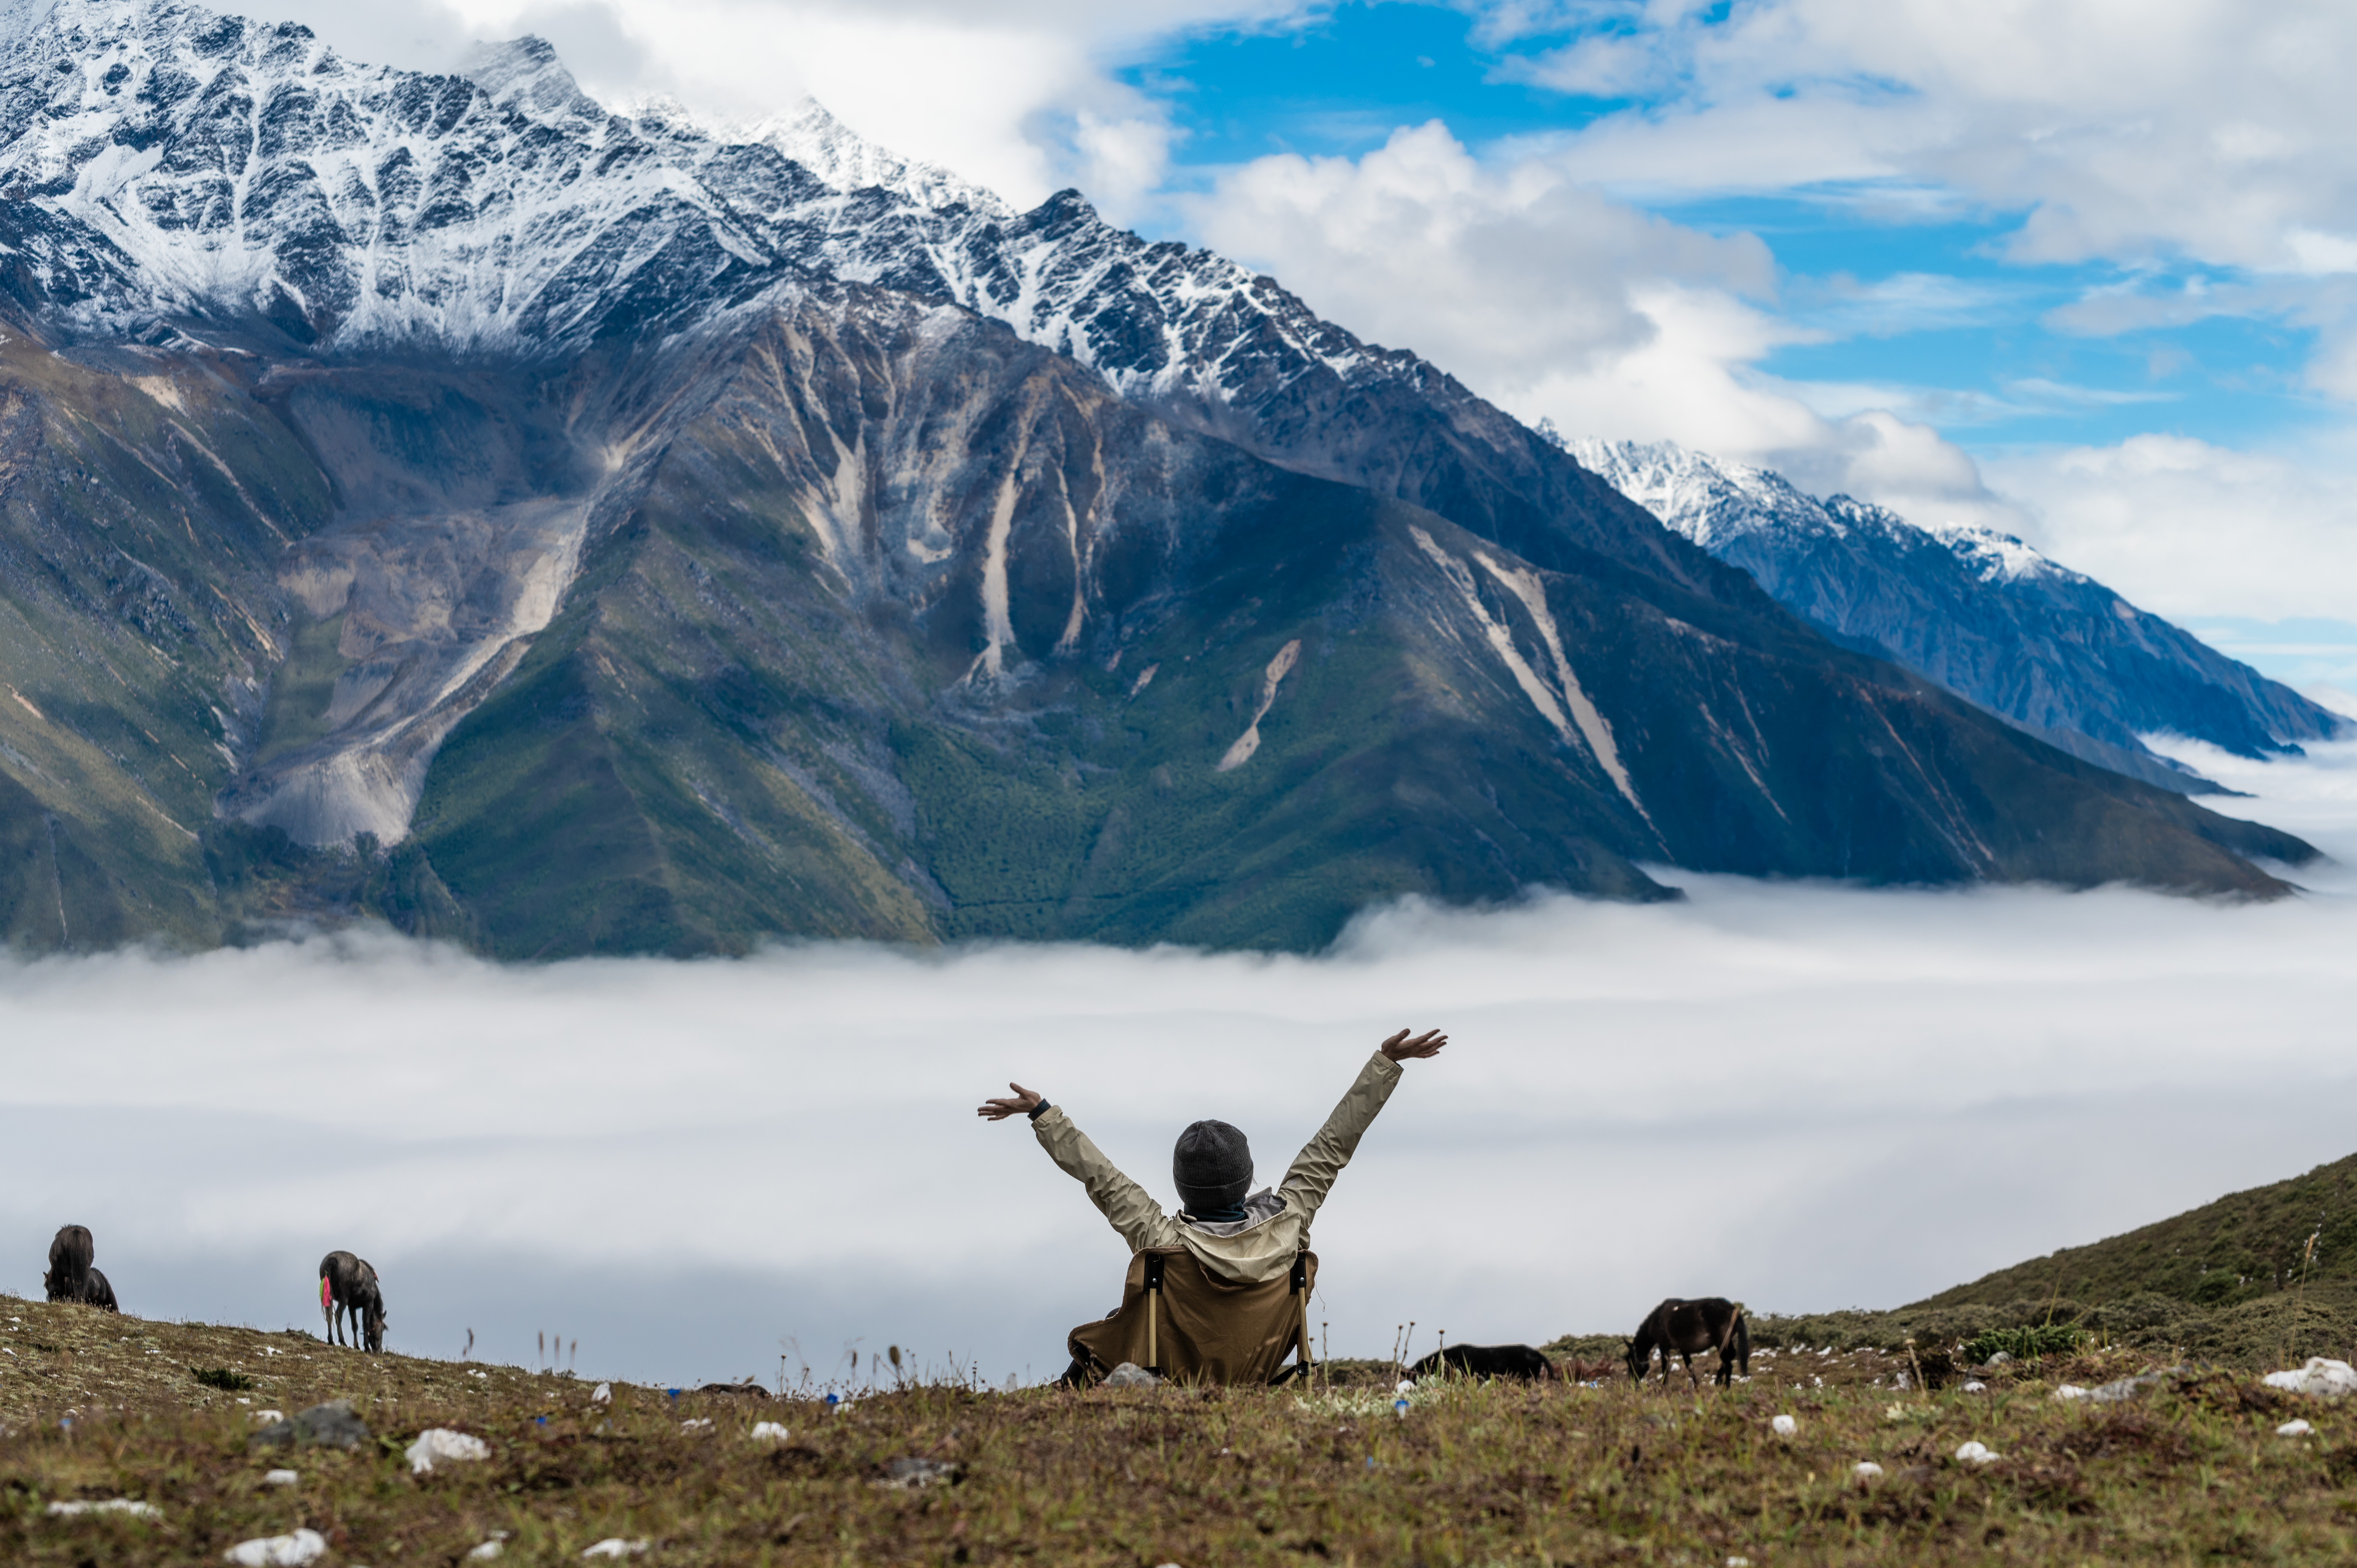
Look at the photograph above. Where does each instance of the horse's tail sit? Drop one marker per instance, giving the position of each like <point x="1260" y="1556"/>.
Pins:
<point x="1743" y="1337"/>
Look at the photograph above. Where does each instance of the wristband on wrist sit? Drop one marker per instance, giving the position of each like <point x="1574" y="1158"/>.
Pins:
<point x="1037" y="1111"/>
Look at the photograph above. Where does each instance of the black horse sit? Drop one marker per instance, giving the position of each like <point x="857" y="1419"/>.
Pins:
<point x="70" y="1276"/>
<point x="349" y="1291"/>
<point x="1687" y="1329"/>
<point x="1487" y="1361"/>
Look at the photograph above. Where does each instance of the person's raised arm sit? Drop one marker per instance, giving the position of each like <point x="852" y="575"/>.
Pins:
<point x="1322" y="1158"/>
<point x="1128" y="1206"/>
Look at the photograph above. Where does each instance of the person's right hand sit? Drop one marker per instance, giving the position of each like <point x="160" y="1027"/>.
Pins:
<point x="1399" y="1047"/>
<point x="1021" y="1103"/>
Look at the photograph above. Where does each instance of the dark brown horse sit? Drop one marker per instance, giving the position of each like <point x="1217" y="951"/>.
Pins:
<point x="1687" y="1329"/>
<point x="1487" y="1361"/>
<point x="70" y="1276"/>
<point x="349" y="1291"/>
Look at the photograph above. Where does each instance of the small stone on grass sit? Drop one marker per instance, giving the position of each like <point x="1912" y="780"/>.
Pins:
<point x="298" y="1550"/>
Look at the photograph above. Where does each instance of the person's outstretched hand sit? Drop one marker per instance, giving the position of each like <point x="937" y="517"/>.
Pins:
<point x="1022" y="1104"/>
<point x="1399" y="1047"/>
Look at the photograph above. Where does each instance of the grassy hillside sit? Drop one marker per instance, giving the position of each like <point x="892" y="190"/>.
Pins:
<point x="2221" y="1284"/>
<point x="94" y="1408"/>
<point x="2244" y="1247"/>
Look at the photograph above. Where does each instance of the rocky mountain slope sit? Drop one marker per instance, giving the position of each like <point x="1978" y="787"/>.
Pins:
<point x="1978" y="611"/>
<point x="630" y="538"/>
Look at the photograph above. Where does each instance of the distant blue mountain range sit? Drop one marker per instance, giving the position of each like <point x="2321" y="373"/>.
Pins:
<point x="2050" y="649"/>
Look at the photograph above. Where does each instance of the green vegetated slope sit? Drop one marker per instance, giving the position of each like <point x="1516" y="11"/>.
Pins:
<point x="777" y="701"/>
<point x="716" y="739"/>
<point x="139" y="516"/>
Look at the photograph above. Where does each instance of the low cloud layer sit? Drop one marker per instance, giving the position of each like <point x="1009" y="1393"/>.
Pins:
<point x="1805" y="1096"/>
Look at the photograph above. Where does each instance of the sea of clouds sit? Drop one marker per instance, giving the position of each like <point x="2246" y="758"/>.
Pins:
<point x="1805" y="1096"/>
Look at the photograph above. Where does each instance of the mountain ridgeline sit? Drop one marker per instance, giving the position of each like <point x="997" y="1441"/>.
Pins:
<point x="574" y="533"/>
<point x="2055" y="652"/>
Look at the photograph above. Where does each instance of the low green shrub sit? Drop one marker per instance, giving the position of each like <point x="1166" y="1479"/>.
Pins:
<point x="2029" y="1342"/>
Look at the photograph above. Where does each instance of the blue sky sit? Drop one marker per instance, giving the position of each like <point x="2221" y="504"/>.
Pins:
<point x="1903" y="297"/>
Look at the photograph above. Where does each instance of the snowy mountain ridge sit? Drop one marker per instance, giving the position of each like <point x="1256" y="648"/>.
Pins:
<point x="209" y="166"/>
<point x="1975" y="608"/>
<point x="1714" y="501"/>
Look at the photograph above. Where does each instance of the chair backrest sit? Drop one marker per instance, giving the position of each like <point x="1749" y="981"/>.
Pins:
<point x="1185" y="1323"/>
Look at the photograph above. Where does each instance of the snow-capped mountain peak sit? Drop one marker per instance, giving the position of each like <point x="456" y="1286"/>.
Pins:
<point x="811" y="136"/>
<point x="1715" y="501"/>
<point x="1708" y="500"/>
<point x="525" y="77"/>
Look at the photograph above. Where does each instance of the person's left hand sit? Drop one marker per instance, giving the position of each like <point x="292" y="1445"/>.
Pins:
<point x="1399" y="1047"/>
<point x="1021" y="1103"/>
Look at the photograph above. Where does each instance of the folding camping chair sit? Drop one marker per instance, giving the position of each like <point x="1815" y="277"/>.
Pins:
<point x="1179" y="1321"/>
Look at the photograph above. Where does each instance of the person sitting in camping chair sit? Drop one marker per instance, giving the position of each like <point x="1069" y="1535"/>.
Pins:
<point x="1219" y="1291"/>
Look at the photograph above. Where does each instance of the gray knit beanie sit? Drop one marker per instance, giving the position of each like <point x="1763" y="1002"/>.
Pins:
<point x="1211" y="1167"/>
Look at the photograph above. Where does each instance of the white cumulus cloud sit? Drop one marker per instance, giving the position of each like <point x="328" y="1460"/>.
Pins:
<point x="2187" y="528"/>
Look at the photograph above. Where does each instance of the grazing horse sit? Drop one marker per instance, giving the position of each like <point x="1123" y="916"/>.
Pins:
<point x="1488" y="1361"/>
<point x="348" y="1289"/>
<point x="70" y="1276"/>
<point x="1687" y="1329"/>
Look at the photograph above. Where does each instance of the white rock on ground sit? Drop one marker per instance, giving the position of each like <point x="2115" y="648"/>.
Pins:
<point x="1975" y="1453"/>
<point x="1130" y="1375"/>
<point x="1866" y="1470"/>
<point x="615" y="1546"/>
<point x="280" y="1478"/>
<point x="604" y="1394"/>
<point x="131" y="1505"/>
<point x="771" y="1431"/>
<point x="1784" y="1427"/>
<point x="2294" y="1429"/>
<point x="297" y="1550"/>
<point x="2320" y="1375"/>
<point x="439" y="1444"/>
<point x="2071" y="1391"/>
<point x="487" y="1551"/>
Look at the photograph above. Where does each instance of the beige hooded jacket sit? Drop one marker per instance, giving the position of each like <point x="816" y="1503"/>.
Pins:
<point x="1259" y="1247"/>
